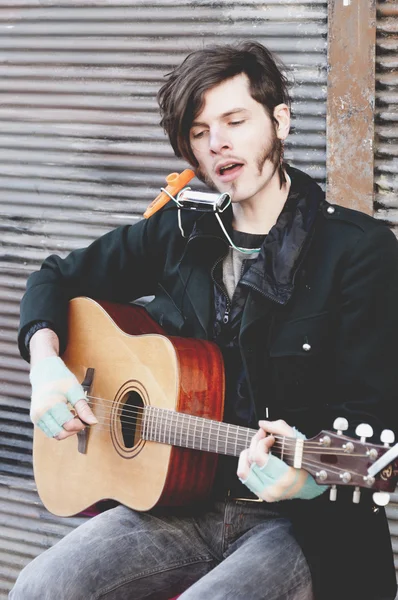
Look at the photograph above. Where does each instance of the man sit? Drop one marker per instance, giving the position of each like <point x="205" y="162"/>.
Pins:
<point x="300" y="296"/>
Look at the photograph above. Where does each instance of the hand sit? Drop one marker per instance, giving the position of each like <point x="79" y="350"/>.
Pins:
<point x="53" y="386"/>
<point x="266" y="475"/>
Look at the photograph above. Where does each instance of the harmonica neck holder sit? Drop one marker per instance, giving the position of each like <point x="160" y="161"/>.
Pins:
<point x="188" y="199"/>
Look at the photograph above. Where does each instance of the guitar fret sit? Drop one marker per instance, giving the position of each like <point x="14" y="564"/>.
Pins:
<point x="201" y="433"/>
<point x="175" y="430"/>
<point x="160" y="422"/>
<point x="164" y="425"/>
<point x="143" y="423"/>
<point x="226" y="439"/>
<point x="283" y="447"/>
<point x="186" y="430"/>
<point x="147" y="422"/>
<point x="236" y="441"/>
<point x="182" y="428"/>
<point x="150" y="424"/>
<point x="153" y="436"/>
<point x="218" y="436"/>
<point x="209" y="439"/>
<point x="158" y="425"/>
<point x="201" y="436"/>
<point x="189" y="423"/>
<point x="194" y="432"/>
<point x="170" y="427"/>
<point x="155" y="423"/>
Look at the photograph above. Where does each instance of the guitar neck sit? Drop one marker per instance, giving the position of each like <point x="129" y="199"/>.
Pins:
<point x="187" y="431"/>
<point x="331" y="458"/>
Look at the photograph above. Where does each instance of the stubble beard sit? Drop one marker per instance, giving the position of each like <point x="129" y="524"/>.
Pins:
<point x="272" y="153"/>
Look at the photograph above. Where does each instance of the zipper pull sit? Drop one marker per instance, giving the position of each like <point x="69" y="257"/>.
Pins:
<point x="226" y="314"/>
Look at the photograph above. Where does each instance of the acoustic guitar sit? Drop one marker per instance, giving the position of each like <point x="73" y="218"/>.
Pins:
<point x="159" y="405"/>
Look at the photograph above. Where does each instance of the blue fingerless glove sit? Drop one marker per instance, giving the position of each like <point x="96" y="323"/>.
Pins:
<point x="53" y="386"/>
<point x="277" y="481"/>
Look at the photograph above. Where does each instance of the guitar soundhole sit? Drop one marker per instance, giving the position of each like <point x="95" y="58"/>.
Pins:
<point x="131" y="419"/>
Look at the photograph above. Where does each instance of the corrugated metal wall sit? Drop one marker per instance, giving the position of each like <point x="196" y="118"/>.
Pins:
<point x="386" y="163"/>
<point x="81" y="152"/>
<point x="386" y="150"/>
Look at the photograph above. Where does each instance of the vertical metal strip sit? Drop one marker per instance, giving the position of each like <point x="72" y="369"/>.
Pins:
<point x="351" y="101"/>
<point x="386" y="122"/>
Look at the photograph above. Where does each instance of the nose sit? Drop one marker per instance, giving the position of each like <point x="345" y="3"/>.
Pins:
<point x="219" y="141"/>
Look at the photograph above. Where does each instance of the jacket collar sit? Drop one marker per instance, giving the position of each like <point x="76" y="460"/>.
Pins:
<point x="285" y="245"/>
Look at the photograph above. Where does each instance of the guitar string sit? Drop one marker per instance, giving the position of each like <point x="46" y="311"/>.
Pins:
<point x="332" y="470"/>
<point x="126" y="412"/>
<point x="217" y="442"/>
<point x="223" y="428"/>
<point x="179" y="429"/>
<point x="278" y="446"/>
<point x="184" y="428"/>
<point x="163" y="412"/>
<point x="161" y="419"/>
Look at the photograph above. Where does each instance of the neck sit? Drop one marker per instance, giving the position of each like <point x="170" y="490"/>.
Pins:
<point x="260" y="212"/>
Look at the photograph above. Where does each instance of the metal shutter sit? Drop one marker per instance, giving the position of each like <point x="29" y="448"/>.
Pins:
<point x="81" y="152"/>
<point x="386" y="146"/>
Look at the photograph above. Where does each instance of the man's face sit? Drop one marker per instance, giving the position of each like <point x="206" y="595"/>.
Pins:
<point x="233" y="140"/>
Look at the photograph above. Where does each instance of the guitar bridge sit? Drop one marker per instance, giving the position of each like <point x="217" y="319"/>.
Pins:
<point x="82" y="436"/>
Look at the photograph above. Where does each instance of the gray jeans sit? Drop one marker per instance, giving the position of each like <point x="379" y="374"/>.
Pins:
<point x="237" y="549"/>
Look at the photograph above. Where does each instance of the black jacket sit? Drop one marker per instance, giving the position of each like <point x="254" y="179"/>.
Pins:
<point x="317" y="339"/>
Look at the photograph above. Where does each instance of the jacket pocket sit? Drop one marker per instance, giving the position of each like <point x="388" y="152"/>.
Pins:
<point x="301" y="355"/>
<point x="302" y="337"/>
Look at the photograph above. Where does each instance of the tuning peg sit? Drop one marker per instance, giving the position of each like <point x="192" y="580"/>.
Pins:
<point x="381" y="498"/>
<point x="364" y="431"/>
<point x="333" y="493"/>
<point x="387" y="437"/>
<point x="340" y="424"/>
<point x="356" y="495"/>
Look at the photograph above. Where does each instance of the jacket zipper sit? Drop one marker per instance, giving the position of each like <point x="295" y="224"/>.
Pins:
<point x="226" y="313"/>
<point x="254" y="287"/>
<point x="222" y="290"/>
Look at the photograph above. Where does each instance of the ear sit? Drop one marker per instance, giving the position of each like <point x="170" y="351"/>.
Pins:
<point x="282" y="117"/>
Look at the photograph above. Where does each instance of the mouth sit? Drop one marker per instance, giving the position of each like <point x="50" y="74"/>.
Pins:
<point x="229" y="171"/>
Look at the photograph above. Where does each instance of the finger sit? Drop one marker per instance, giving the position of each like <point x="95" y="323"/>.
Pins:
<point x="279" y="427"/>
<point x="65" y="434"/>
<point x="261" y="452"/>
<point x="256" y="439"/>
<point x="243" y="465"/>
<point x="74" y="425"/>
<point x="85" y="413"/>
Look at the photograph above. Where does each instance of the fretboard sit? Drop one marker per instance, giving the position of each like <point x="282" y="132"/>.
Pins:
<point x="187" y="431"/>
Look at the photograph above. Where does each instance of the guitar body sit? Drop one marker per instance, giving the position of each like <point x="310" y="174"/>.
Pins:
<point x="135" y="365"/>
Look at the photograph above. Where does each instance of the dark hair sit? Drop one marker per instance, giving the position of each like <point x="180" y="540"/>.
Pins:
<point x="181" y="98"/>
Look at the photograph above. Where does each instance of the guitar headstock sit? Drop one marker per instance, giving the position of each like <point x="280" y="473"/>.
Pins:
<point x="334" y="459"/>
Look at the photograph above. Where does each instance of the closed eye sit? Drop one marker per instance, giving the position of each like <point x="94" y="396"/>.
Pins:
<point x="236" y="122"/>
<point x="199" y="134"/>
